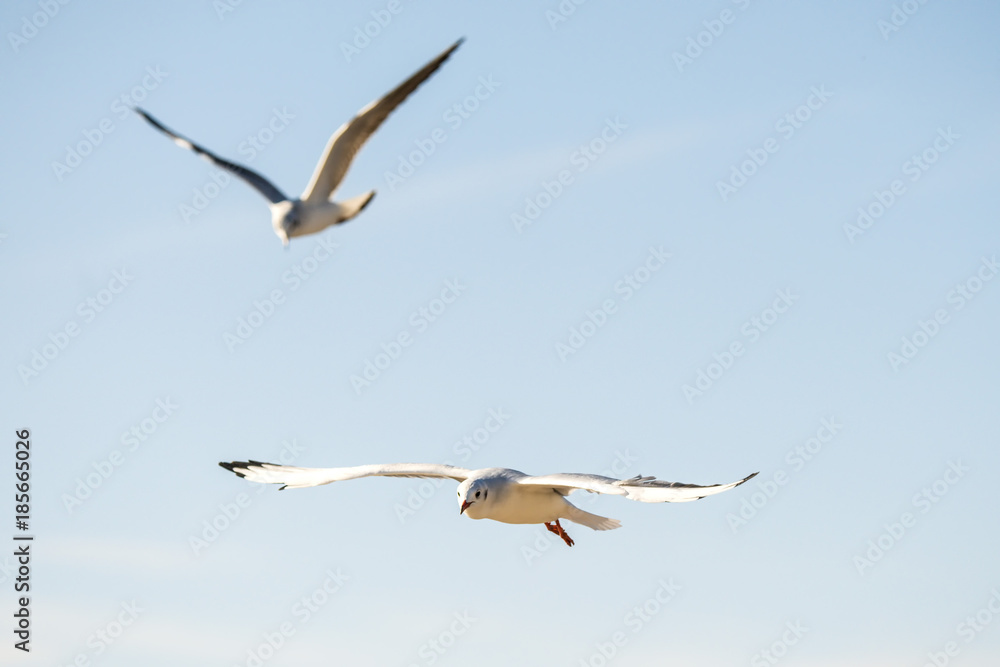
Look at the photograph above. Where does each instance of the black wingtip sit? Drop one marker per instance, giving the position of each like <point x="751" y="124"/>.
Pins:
<point x="748" y="478"/>
<point x="230" y="467"/>
<point x="451" y="49"/>
<point x="155" y="123"/>
<point x="367" y="201"/>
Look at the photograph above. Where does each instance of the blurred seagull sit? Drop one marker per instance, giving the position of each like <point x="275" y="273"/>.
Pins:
<point x="500" y="494"/>
<point x="315" y="210"/>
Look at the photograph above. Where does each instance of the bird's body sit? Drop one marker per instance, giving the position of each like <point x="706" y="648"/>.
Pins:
<point x="500" y="494"/>
<point x="315" y="209"/>
<point x="510" y="501"/>
<point x="525" y="506"/>
<point x="311" y="218"/>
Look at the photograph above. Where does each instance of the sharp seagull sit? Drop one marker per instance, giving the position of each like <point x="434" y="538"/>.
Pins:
<point x="500" y="494"/>
<point x="315" y="210"/>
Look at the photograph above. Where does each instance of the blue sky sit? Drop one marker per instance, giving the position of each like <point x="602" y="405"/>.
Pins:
<point x="596" y="146"/>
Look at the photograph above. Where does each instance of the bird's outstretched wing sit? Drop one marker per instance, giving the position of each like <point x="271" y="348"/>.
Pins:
<point x="352" y="135"/>
<point x="297" y="478"/>
<point x="262" y="185"/>
<point x="643" y="489"/>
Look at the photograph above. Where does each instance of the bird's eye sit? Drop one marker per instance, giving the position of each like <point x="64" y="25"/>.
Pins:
<point x="477" y="494"/>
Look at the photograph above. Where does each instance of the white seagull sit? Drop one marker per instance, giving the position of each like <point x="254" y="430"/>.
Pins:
<point x="315" y="210"/>
<point x="500" y="494"/>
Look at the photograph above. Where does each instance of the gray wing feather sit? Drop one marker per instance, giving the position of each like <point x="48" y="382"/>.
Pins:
<point x="352" y="135"/>
<point x="296" y="478"/>
<point x="261" y="184"/>
<point x="642" y="489"/>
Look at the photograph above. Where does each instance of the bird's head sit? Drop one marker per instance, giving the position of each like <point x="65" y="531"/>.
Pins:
<point x="286" y="218"/>
<point x="473" y="498"/>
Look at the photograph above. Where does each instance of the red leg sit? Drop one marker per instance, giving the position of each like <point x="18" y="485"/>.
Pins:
<point x="558" y="530"/>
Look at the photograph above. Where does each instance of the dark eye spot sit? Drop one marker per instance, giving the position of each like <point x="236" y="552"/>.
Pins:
<point x="477" y="494"/>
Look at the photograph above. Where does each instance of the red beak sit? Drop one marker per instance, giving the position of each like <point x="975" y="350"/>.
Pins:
<point x="465" y="505"/>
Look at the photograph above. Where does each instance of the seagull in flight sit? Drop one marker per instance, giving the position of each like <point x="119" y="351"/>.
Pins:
<point x="315" y="210"/>
<point x="500" y="494"/>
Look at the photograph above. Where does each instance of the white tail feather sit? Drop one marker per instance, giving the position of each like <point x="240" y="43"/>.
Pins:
<point x="351" y="207"/>
<point x="577" y="515"/>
